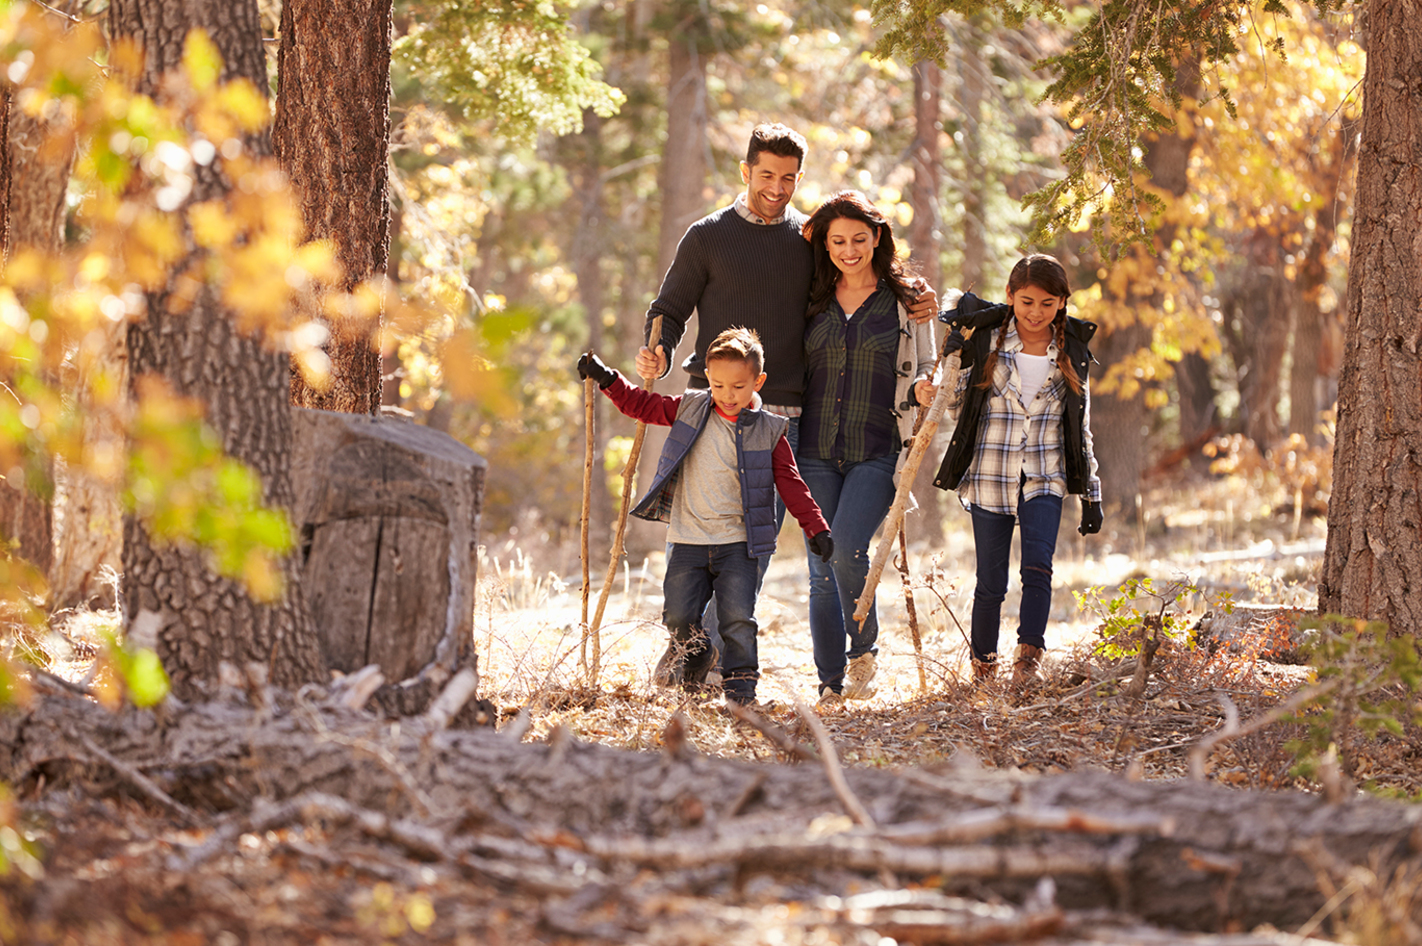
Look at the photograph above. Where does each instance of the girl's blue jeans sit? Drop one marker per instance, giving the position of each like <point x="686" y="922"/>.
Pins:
<point x="1039" y="519"/>
<point x="854" y="498"/>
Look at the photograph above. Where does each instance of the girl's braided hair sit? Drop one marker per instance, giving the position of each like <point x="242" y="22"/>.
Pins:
<point x="887" y="266"/>
<point x="1045" y="273"/>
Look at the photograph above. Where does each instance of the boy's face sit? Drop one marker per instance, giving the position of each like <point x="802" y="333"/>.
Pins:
<point x="733" y="386"/>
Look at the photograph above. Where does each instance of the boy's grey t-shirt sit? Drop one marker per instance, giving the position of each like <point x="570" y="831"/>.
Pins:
<point x="706" y="507"/>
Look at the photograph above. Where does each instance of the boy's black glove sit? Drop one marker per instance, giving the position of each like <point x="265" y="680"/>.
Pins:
<point x="1090" y="518"/>
<point x="591" y="366"/>
<point x="822" y="544"/>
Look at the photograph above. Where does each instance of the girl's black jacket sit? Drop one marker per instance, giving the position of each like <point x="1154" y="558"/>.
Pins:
<point x="984" y="318"/>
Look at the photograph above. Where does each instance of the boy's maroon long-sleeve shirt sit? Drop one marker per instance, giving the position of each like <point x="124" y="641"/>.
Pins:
<point x="661" y="409"/>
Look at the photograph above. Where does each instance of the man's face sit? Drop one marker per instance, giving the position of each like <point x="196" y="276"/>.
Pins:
<point x="733" y="384"/>
<point x="770" y="183"/>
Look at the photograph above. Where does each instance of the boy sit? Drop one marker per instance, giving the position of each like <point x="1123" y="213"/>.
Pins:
<point x="715" y="488"/>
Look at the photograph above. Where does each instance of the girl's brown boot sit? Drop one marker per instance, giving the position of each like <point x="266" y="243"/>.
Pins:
<point x="1024" y="667"/>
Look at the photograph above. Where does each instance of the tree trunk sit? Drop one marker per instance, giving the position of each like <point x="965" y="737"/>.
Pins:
<point x="589" y="243"/>
<point x="1118" y="430"/>
<point x="76" y="536"/>
<point x="1308" y="379"/>
<point x="38" y="159"/>
<point x="1260" y="307"/>
<point x="332" y="136"/>
<point x="1372" y="565"/>
<point x="682" y="177"/>
<point x="199" y="618"/>
<point x="587" y="818"/>
<point x="973" y="73"/>
<point x="924" y="234"/>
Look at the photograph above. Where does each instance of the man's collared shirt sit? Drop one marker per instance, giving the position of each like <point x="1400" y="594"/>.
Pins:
<point x="1019" y="449"/>
<point x="746" y="213"/>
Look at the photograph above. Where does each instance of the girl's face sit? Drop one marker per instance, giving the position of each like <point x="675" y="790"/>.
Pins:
<point x="1035" y="308"/>
<point x="851" y="245"/>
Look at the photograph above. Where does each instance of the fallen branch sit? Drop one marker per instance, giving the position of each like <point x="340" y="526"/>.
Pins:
<point x="895" y="518"/>
<point x="452" y="699"/>
<point x="1200" y="752"/>
<point x="911" y="609"/>
<point x="138" y="780"/>
<point x="781" y="739"/>
<point x="852" y="805"/>
<point x="977" y="825"/>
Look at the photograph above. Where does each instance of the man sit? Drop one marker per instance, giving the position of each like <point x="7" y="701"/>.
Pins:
<point x="747" y="266"/>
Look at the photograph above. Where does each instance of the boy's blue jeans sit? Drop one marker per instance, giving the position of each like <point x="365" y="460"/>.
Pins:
<point x="711" y="620"/>
<point x="854" y="498"/>
<point x="694" y="573"/>
<point x="992" y="540"/>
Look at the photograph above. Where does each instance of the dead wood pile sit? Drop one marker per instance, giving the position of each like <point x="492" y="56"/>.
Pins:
<point x="653" y="847"/>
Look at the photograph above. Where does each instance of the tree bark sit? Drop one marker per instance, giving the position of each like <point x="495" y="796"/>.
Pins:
<point x="332" y="136"/>
<point x="682" y="177"/>
<point x="1190" y="855"/>
<point x="924" y="234"/>
<point x="1260" y="308"/>
<point x="38" y="158"/>
<point x="587" y="253"/>
<point x="200" y="618"/>
<point x="1372" y="565"/>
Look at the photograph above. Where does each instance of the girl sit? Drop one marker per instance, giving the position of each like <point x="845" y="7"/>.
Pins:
<point x="1022" y="442"/>
<point x="866" y="356"/>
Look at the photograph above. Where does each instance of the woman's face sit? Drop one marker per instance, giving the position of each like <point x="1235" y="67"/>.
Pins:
<point x="851" y="245"/>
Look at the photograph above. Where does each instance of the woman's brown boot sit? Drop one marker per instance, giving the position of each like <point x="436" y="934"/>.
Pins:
<point x="984" y="670"/>
<point x="1024" y="667"/>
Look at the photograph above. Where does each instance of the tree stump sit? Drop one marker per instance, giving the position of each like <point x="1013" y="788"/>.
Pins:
<point x="389" y="517"/>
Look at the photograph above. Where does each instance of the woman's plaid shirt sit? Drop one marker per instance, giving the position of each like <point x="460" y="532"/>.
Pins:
<point x="1019" y="448"/>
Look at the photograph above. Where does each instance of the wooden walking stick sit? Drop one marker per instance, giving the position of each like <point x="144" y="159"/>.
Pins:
<point x="589" y="396"/>
<point x="912" y="609"/>
<point x="630" y="470"/>
<point x="895" y="517"/>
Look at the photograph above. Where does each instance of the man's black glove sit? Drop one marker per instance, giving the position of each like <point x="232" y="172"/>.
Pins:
<point x="591" y="366"/>
<point x="1090" y="518"/>
<point x="822" y="544"/>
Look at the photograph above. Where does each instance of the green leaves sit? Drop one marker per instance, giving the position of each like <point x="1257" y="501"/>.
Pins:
<point x="507" y="60"/>
<point x="138" y="668"/>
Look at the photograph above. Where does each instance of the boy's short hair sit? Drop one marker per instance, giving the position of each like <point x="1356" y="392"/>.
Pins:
<point x="738" y="344"/>
<point x="778" y="140"/>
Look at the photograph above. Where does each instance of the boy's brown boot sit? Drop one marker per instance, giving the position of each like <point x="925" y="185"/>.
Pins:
<point x="1024" y="667"/>
<point x="984" y="670"/>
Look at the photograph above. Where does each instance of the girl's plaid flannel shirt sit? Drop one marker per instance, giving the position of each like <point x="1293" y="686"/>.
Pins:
<point x="1019" y="445"/>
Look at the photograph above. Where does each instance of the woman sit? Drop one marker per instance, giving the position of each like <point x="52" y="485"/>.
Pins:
<point x="868" y="362"/>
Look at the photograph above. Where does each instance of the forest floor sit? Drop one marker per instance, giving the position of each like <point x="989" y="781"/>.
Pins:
<point x="106" y="863"/>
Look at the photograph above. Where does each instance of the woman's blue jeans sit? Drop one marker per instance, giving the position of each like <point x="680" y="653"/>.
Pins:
<point x="854" y="498"/>
<point x="992" y="540"/>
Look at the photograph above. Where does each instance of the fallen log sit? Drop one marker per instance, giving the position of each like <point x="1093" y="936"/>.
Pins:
<point x="1182" y="854"/>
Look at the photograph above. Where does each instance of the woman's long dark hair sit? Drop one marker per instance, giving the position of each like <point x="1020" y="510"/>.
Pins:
<point x="852" y="205"/>
<point x="1042" y="272"/>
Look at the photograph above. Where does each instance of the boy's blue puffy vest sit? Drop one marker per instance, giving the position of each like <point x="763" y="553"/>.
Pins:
<point x="757" y="433"/>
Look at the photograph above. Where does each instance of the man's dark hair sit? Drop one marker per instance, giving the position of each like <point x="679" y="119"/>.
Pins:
<point x="778" y="140"/>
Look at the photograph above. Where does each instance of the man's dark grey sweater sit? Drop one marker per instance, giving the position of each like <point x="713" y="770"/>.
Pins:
<point x="735" y="273"/>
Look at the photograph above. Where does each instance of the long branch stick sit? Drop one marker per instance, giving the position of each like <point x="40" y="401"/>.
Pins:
<point x="912" y="609"/>
<point x="628" y="472"/>
<point x="921" y="440"/>
<point x="589" y="394"/>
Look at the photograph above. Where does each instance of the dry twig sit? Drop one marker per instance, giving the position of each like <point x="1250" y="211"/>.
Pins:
<point x="852" y="805"/>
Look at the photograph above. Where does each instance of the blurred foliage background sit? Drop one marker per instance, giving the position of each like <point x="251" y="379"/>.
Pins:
<point x="540" y="180"/>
